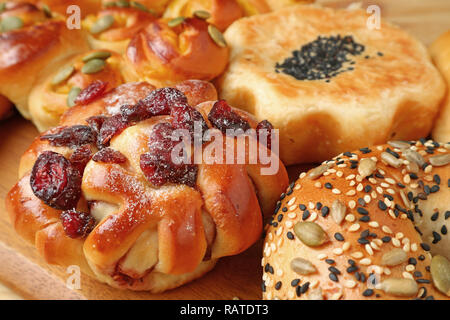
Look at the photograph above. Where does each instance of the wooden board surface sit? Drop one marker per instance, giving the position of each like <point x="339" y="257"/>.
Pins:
<point x="28" y="276"/>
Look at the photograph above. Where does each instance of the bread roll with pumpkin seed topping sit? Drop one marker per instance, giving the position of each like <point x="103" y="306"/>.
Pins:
<point x="370" y="224"/>
<point x="57" y="92"/>
<point x="32" y="44"/>
<point x="112" y="28"/>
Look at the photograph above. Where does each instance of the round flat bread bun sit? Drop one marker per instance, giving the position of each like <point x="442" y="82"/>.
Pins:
<point x="329" y="82"/>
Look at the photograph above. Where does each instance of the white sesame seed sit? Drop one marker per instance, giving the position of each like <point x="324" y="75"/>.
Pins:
<point x="339" y="173"/>
<point x="386" y="271"/>
<point x="292" y="215"/>
<point x="386" y="229"/>
<point x="369" y="249"/>
<point x="313" y="216"/>
<point x="318" y="185"/>
<point x="374" y="245"/>
<point x="399" y="235"/>
<point x="390" y="180"/>
<point x="350" y="177"/>
<point x="336" y="191"/>
<point x="357" y="254"/>
<point x="410" y="268"/>
<point x="407" y="275"/>
<point x="352" y="204"/>
<point x="288" y="224"/>
<point x="291" y="202"/>
<point x="302" y="175"/>
<point x="297" y="186"/>
<point x="338" y="251"/>
<point x="365" y="261"/>
<point x="346" y="246"/>
<point x="379" y="190"/>
<point x="384" y="185"/>
<point x="367" y="198"/>
<point x="354" y="227"/>
<point x="373" y="180"/>
<point x="292" y="208"/>
<point x="374" y="224"/>
<point x="279" y="272"/>
<point x="414" y="247"/>
<point x="350" y="192"/>
<point x="352" y="183"/>
<point x="322" y="256"/>
<point x="359" y="187"/>
<point x="350" y="217"/>
<point x="396" y="242"/>
<point x="350" y="284"/>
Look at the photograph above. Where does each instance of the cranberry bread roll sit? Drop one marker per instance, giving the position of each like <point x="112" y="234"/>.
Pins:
<point x="113" y="28"/>
<point x="440" y="52"/>
<point x="167" y="52"/>
<point x="32" y="43"/>
<point x="220" y="13"/>
<point x="58" y="91"/>
<point x="121" y="209"/>
<point x="370" y="224"/>
<point x="330" y="85"/>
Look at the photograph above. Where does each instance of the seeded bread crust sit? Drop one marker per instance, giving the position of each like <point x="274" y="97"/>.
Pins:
<point x="440" y="52"/>
<point x="393" y="96"/>
<point x="148" y="238"/>
<point x="24" y="52"/>
<point x="374" y="218"/>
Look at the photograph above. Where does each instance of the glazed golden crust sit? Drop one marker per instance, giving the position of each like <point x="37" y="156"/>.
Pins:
<point x="223" y="12"/>
<point x="387" y="198"/>
<point x="164" y="56"/>
<point x="47" y="102"/>
<point x="60" y="6"/>
<point x="148" y="238"/>
<point x="127" y="23"/>
<point x="440" y="52"/>
<point x="23" y="52"/>
<point x="6" y="108"/>
<point x="395" y="95"/>
<point x="157" y="6"/>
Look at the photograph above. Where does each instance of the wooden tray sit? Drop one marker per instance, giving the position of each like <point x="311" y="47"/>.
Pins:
<point x="27" y="274"/>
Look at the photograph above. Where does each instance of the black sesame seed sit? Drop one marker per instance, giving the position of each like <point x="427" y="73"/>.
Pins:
<point x="388" y="196"/>
<point x="413" y="176"/>
<point x="367" y="293"/>
<point x="290" y="235"/>
<point x="280" y="217"/>
<point x="278" y="285"/>
<point x="298" y="291"/>
<point x="365" y="150"/>
<point x="328" y="185"/>
<point x="325" y="211"/>
<point x="361" y="202"/>
<point x="423" y="281"/>
<point x="386" y="239"/>
<point x="306" y="215"/>
<point x="330" y="261"/>
<point x="382" y="205"/>
<point x="318" y="205"/>
<point x="424" y="292"/>
<point x="295" y="282"/>
<point x="284" y="209"/>
<point x="425" y="246"/>
<point x="363" y="241"/>
<point x="282" y="196"/>
<point x="365" y="219"/>
<point x="365" y="233"/>
<point x="447" y="215"/>
<point x="434" y="188"/>
<point x="412" y="261"/>
<point x="436" y="237"/>
<point x="444" y="230"/>
<point x="367" y="188"/>
<point x="334" y="270"/>
<point x="418" y="274"/>
<point x="333" y="277"/>
<point x="352" y="269"/>
<point x="304" y="287"/>
<point x="437" y="179"/>
<point x="362" y="211"/>
<point x="395" y="154"/>
<point x="435" y="216"/>
<point x="380" y="54"/>
<point x="302" y="207"/>
<point x="263" y="286"/>
<point x="339" y="237"/>
<point x="351" y="262"/>
<point x="421" y="257"/>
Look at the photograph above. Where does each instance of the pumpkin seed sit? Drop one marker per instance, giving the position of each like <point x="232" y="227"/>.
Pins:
<point x="102" y="24"/>
<point x="10" y="23"/>
<point x="399" y="287"/>
<point x="440" y="160"/>
<point x="315" y="294"/>
<point x="73" y="94"/>
<point x="47" y="11"/>
<point x="103" y="55"/>
<point x="414" y="156"/>
<point x="310" y="233"/>
<point x="412" y="167"/>
<point x="110" y="4"/>
<point x="440" y="273"/>
<point x="139" y="6"/>
<point x="93" y="66"/>
<point x="202" y="14"/>
<point x="175" y="22"/>
<point x="63" y="75"/>
<point x="394" y="257"/>
<point x="302" y="266"/>
<point x="338" y="210"/>
<point x="399" y="144"/>
<point x="217" y="36"/>
<point x="122" y="3"/>
<point x="391" y="160"/>
<point x="366" y="167"/>
<point x="2" y="6"/>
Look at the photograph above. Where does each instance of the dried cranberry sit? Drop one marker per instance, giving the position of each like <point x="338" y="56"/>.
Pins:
<point x="223" y="117"/>
<point x="96" y="122"/>
<point x="92" y="92"/>
<point x="56" y="181"/>
<point x="111" y="127"/>
<point x="265" y="128"/>
<point x="157" y="164"/>
<point x="73" y="136"/>
<point x="108" y="155"/>
<point x="80" y="157"/>
<point x="77" y="224"/>
<point x="185" y="117"/>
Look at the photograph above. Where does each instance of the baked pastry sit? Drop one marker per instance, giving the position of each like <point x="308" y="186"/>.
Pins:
<point x="440" y="52"/>
<point x="278" y="4"/>
<point x="112" y="28"/>
<point x="364" y="225"/>
<point x="165" y="52"/>
<point x="32" y="43"/>
<point x="155" y="6"/>
<point x="220" y="13"/>
<point x="6" y="107"/>
<point x="53" y="95"/>
<point x="328" y="82"/>
<point x="101" y="191"/>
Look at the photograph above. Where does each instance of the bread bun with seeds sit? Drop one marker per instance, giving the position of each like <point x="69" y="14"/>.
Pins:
<point x="328" y="82"/>
<point x="369" y="224"/>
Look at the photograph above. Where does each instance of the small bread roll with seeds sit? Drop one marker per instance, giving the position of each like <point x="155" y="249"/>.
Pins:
<point x="328" y="82"/>
<point x="440" y="52"/>
<point x="370" y="224"/>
